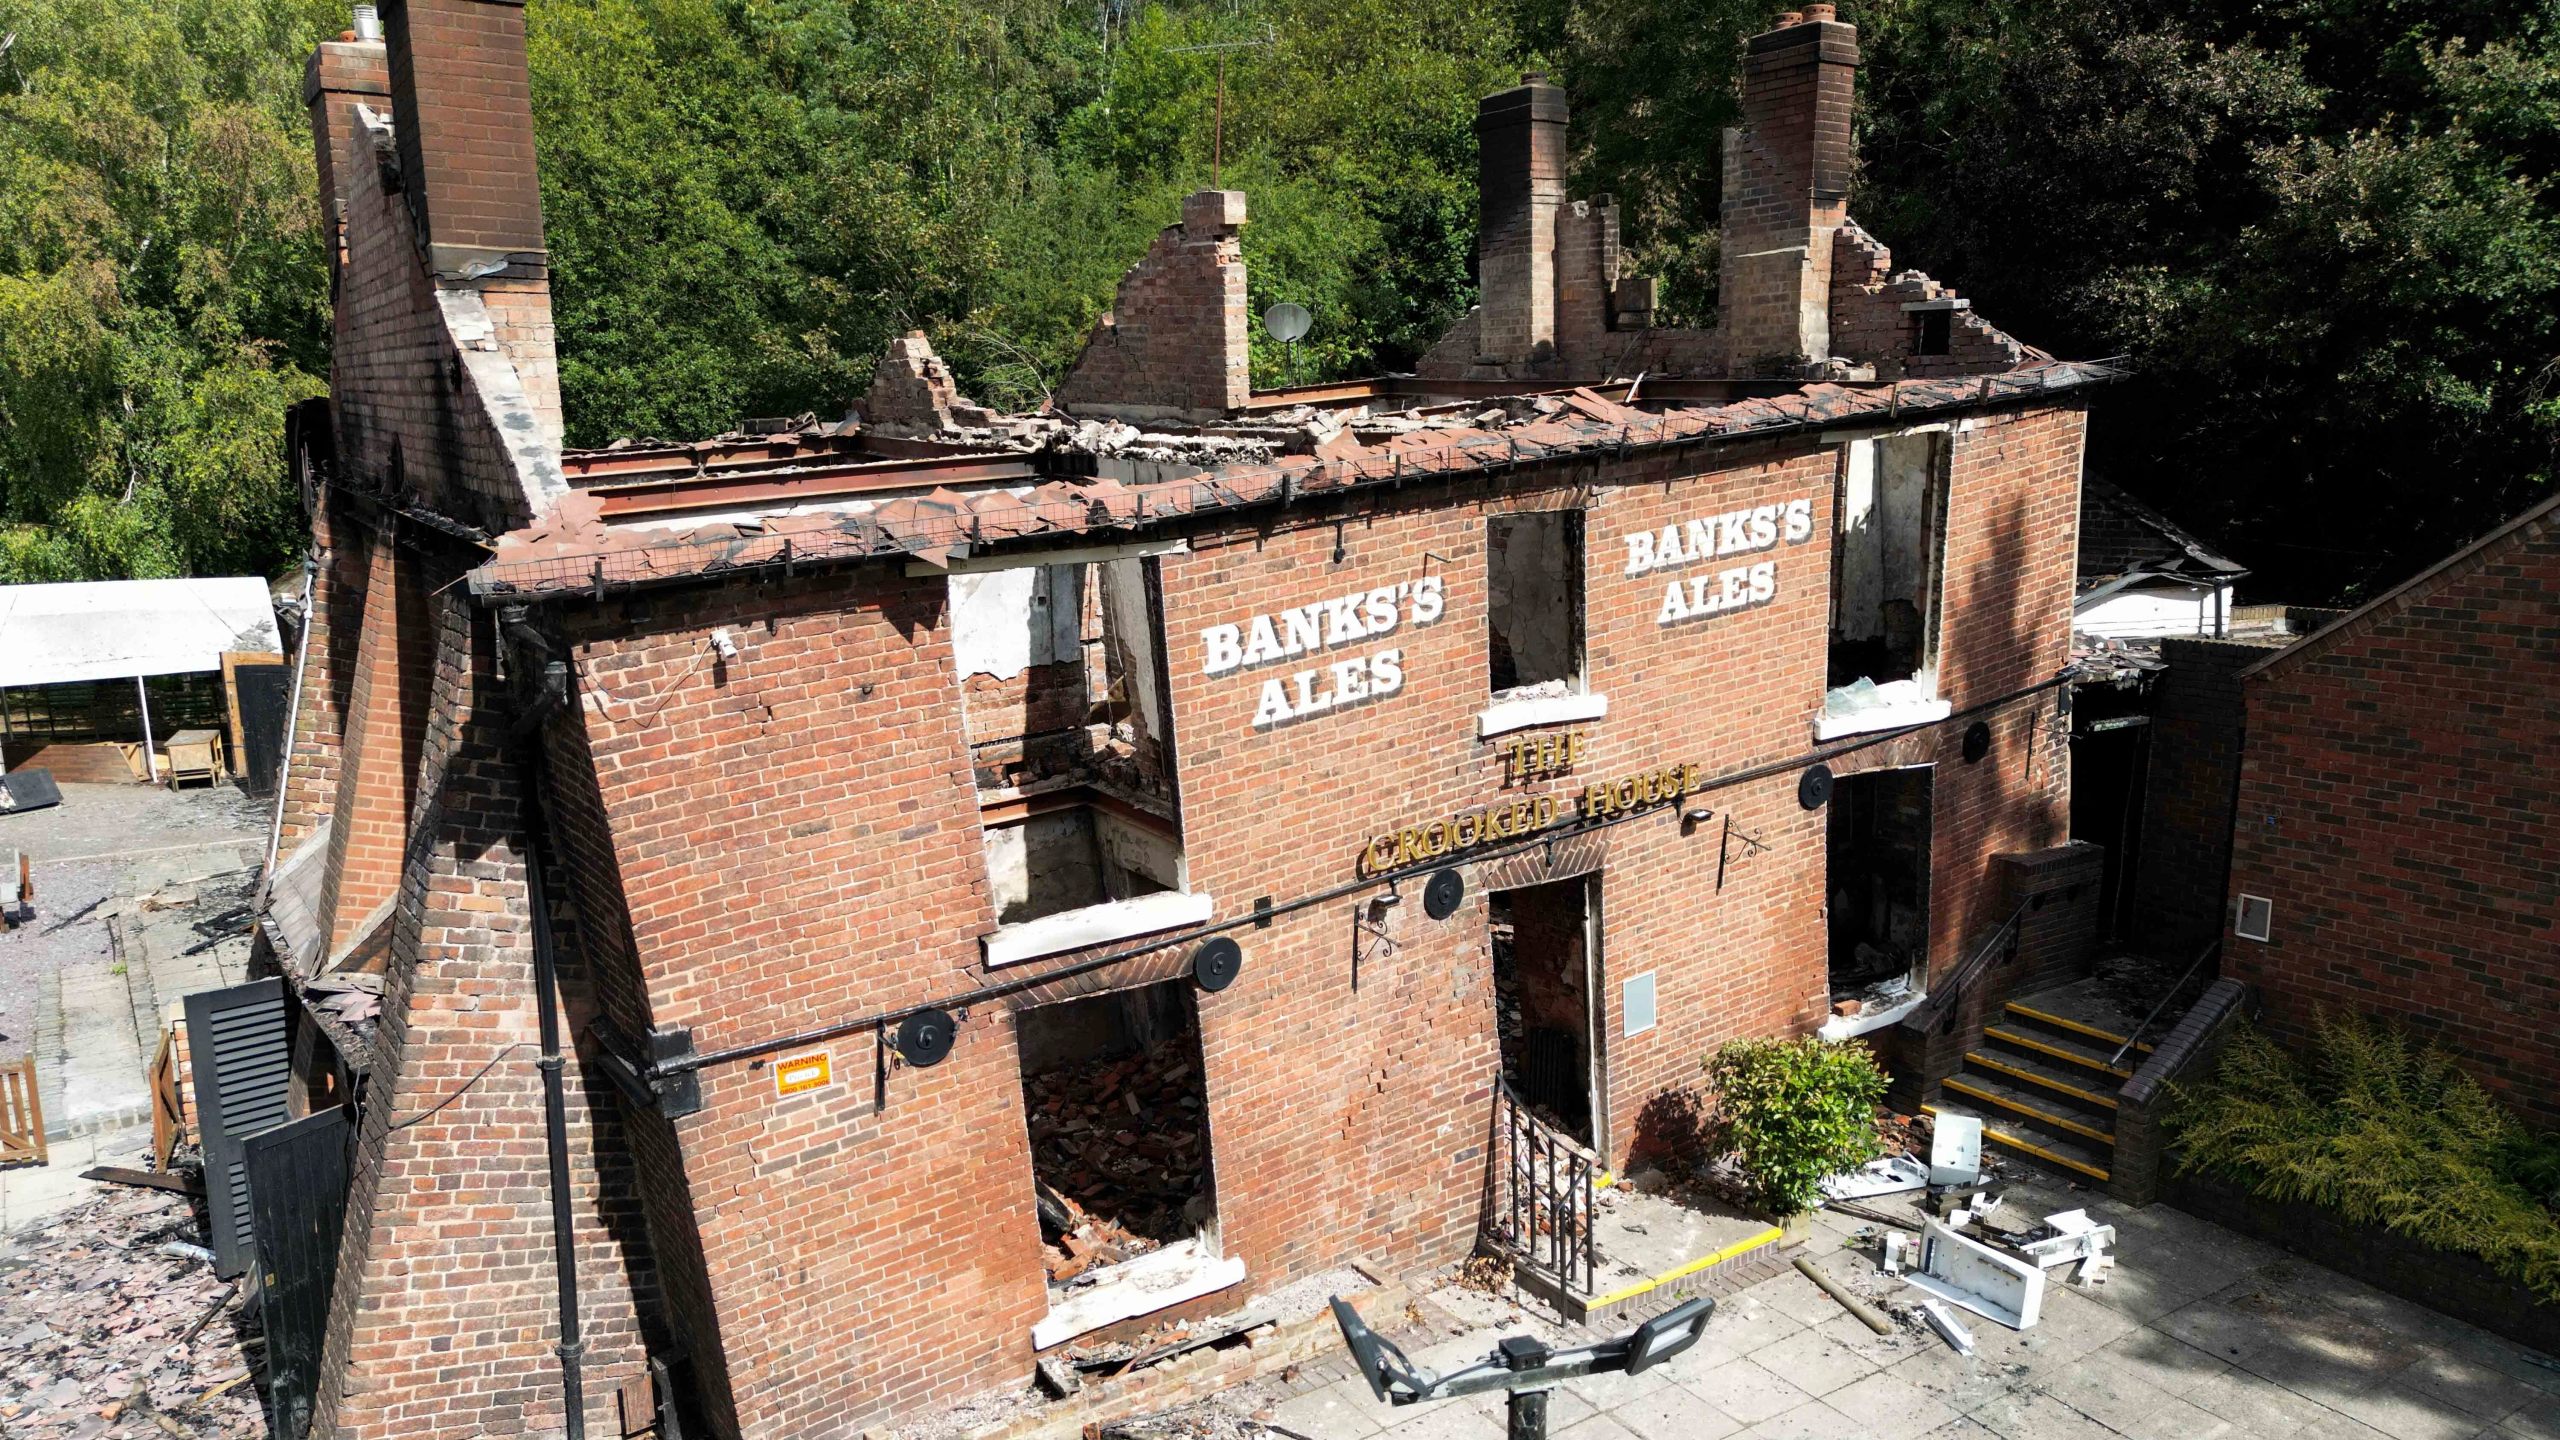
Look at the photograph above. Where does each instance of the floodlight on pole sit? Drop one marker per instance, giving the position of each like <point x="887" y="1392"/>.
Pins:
<point x="1519" y="1365"/>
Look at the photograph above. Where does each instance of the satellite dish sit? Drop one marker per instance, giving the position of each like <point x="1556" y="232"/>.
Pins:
<point x="1288" y="323"/>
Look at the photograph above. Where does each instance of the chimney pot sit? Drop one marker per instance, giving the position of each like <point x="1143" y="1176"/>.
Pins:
<point x="1790" y="17"/>
<point x="368" y="25"/>
<point x="1533" y="77"/>
<point x="1822" y="12"/>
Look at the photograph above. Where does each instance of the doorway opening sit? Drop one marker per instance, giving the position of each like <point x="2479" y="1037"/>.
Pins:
<point x="1113" y="1091"/>
<point x="1878" y="856"/>
<point x="1543" y="980"/>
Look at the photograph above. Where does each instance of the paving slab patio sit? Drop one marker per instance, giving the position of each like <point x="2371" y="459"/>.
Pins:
<point x="2199" y="1335"/>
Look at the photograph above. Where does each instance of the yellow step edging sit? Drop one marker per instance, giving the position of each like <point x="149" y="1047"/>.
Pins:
<point x="2068" y="1057"/>
<point x="2032" y="1078"/>
<point x="1987" y="1097"/>
<point x="2013" y="1142"/>
<point x="1678" y="1272"/>
<point x="2074" y="1026"/>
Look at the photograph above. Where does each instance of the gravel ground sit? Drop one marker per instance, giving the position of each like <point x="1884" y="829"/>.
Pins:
<point x="81" y="849"/>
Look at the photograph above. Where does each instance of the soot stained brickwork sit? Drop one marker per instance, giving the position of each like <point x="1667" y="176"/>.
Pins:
<point x="2395" y="808"/>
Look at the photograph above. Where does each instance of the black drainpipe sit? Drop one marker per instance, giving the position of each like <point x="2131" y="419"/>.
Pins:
<point x="533" y="771"/>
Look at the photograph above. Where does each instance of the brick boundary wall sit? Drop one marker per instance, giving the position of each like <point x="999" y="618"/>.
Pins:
<point x="2396" y="802"/>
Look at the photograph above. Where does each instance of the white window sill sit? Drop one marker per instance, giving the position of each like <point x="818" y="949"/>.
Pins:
<point x="1878" y="707"/>
<point x="1178" y="1272"/>
<point x="1096" y="925"/>
<point x="1504" y="716"/>
<point x="1847" y="1027"/>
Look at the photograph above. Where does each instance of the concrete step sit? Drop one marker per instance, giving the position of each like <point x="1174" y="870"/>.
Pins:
<point x="2061" y="1054"/>
<point x="2028" y="1017"/>
<point x="2067" y="1087"/>
<point x="2073" y="1155"/>
<point x="1989" y="1088"/>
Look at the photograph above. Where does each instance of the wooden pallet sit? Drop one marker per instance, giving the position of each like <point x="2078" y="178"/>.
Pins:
<point x="21" y="1115"/>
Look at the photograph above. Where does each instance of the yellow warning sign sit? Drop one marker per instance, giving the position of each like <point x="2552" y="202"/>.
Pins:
<point x="798" y="1073"/>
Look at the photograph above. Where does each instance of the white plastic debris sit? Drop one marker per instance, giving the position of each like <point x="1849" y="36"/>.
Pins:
<point x="1968" y="1273"/>
<point x="2081" y="1239"/>
<point x="1890" y="1175"/>
<point x="1948" y="1327"/>
<point x="1955" y="1150"/>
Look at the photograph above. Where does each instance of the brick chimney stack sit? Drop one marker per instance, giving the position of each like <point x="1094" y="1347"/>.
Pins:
<point x="1786" y="190"/>
<point x="1520" y="150"/>
<point x="462" y="114"/>
<point x="343" y="73"/>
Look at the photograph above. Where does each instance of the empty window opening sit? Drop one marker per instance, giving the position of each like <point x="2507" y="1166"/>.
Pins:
<point x="1878" y="856"/>
<point x="1886" y="544"/>
<point x="1074" y="856"/>
<point x="1063" y="697"/>
<point x="1934" y="327"/>
<point x="1119" y="1123"/>
<point x="1061" y="673"/>
<point x="1884" y="567"/>
<point x="1542" y="988"/>
<point x="1533" y="580"/>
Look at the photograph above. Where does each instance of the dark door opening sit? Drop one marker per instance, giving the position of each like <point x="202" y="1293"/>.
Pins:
<point x="2110" y="763"/>
<point x="1542" y="986"/>
<point x="1878" y="855"/>
<point x="1119" y="1122"/>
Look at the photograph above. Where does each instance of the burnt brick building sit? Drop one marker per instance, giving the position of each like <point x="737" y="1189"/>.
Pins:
<point x="2393" y="851"/>
<point x="868" y="814"/>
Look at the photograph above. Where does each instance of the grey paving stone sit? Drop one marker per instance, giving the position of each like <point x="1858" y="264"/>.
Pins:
<point x="1746" y="1391"/>
<point x="1671" y="1412"/>
<point x="1812" y="1420"/>
<point x="1814" y="1362"/>
<point x="1891" y="1407"/>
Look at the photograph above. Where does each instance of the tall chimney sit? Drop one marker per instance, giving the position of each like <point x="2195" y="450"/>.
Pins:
<point x="462" y="114"/>
<point x="1786" y="190"/>
<point x="1520" y="183"/>
<point x="342" y="74"/>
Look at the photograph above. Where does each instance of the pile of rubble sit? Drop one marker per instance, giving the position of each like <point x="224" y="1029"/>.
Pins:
<point x="111" y="1322"/>
<point x="1118" y="1150"/>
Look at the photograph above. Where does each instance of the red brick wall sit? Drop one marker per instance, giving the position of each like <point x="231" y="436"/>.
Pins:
<point x="411" y="420"/>
<point x="458" y="76"/>
<point x="310" y="785"/>
<point x="2396" y="799"/>
<point x="1177" y="340"/>
<point x="1869" y="325"/>
<point x="384" y="724"/>
<point x="1786" y="185"/>
<point x="796" y="831"/>
<point x="340" y="76"/>
<point x="444" y="1318"/>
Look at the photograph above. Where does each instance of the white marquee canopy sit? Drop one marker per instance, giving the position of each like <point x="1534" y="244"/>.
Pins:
<point x="120" y="629"/>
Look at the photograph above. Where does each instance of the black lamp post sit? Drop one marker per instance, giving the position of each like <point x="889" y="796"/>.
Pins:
<point x="1520" y="1365"/>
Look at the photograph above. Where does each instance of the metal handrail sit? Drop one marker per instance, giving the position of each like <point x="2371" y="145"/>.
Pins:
<point x="2212" y="947"/>
<point x="1940" y="1005"/>
<point x="1532" y="1154"/>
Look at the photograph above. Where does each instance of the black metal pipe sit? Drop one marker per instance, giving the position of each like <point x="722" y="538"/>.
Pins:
<point x="555" y="1110"/>
<point x="1562" y="830"/>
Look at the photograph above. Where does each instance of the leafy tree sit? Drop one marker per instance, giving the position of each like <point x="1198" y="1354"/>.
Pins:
<point x="163" y="287"/>
<point x="2327" y="234"/>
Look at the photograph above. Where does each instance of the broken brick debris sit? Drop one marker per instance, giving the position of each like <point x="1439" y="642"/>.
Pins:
<point x="1119" y="1144"/>
<point x="100" y="1328"/>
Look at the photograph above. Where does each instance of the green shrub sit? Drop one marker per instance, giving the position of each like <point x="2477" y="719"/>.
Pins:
<point x="1795" y="1111"/>
<point x="2382" y="1131"/>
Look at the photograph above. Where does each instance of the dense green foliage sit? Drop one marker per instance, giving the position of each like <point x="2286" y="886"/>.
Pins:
<point x="1794" y="1112"/>
<point x="162" y="296"/>
<point x="2326" y="232"/>
<point x="2384" y="1132"/>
